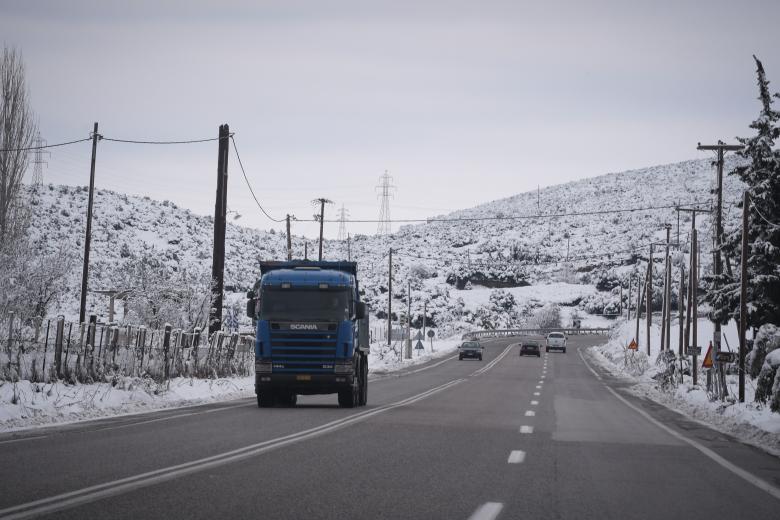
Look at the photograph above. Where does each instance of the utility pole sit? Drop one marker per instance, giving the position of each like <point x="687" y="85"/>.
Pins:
<point x="720" y="148"/>
<point x="620" y="302"/>
<point x="305" y="250"/>
<point x="349" y="249"/>
<point x="425" y="312"/>
<point x="289" y="239"/>
<point x="680" y="313"/>
<point x="409" y="320"/>
<point x="220" y="222"/>
<point x="666" y="303"/>
<point x="321" y="218"/>
<point x="88" y="239"/>
<point x="390" y="298"/>
<point x="628" y="303"/>
<point x="639" y="309"/>
<point x="695" y="301"/>
<point x="649" y="302"/>
<point x="743" y="295"/>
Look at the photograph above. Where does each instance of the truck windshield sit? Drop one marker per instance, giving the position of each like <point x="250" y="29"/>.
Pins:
<point x="304" y="305"/>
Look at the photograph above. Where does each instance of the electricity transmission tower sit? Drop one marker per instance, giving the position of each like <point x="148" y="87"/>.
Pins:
<point x="38" y="162"/>
<point x="343" y="214"/>
<point x="384" y="193"/>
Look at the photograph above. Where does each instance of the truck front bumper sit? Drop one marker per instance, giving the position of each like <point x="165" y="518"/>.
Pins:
<point x="305" y="384"/>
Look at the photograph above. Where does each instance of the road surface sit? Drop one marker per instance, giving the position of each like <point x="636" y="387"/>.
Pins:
<point x="508" y="437"/>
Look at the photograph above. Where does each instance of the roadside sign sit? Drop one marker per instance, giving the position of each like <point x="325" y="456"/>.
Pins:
<point x="419" y="336"/>
<point x="726" y="357"/>
<point x="431" y="333"/>
<point x="707" y="363"/>
<point x="419" y="345"/>
<point x="633" y="345"/>
<point x="693" y="351"/>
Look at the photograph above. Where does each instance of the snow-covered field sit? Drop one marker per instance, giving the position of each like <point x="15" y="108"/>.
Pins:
<point x="751" y="422"/>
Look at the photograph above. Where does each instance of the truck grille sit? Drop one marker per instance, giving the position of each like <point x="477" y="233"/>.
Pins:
<point x="303" y="351"/>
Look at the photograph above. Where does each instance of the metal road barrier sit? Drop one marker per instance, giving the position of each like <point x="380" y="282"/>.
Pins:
<point x="506" y="333"/>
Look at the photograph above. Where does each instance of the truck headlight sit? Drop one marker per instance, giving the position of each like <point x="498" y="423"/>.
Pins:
<point x="343" y="368"/>
<point x="263" y="367"/>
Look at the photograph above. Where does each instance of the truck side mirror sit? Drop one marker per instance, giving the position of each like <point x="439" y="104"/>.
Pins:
<point x="360" y="310"/>
<point x="251" y="302"/>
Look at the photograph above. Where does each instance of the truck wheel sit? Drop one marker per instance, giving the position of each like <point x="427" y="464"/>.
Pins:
<point x="547" y="349"/>
<point x="564" y="350"/>
<point x="288" y="400"/>
<point x="265" y="400"/>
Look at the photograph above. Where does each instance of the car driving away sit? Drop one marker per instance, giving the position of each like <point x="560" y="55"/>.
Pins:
<point x="470" y="349"/>
<point x="530" y="348"/>
<point x="556" y="341"/>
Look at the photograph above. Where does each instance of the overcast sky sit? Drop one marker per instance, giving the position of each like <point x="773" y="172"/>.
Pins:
<point x="463" y="102"/>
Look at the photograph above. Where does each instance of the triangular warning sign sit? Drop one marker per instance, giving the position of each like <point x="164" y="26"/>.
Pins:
<point x="419" y="345"/>
<point x="633" y="345"/>
<point x="707" y="363"/>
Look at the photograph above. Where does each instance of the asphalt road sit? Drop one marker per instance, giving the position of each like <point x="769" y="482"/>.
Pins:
<point x="508" y="437"/>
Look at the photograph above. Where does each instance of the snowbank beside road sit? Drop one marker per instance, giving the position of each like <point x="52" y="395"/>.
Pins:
<point x="749" y="421"/>
<point x="25" y="404"/>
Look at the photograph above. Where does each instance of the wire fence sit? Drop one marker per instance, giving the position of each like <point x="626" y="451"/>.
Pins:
<point x="43" y="351"/>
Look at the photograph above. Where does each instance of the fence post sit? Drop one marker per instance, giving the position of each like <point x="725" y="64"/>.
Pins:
<point x="58" y="338"/>
<point x="166" y="347"/>
<point x="10" y="333"/>
<point x="195" y="348"/>
<point x="114" y="345"/>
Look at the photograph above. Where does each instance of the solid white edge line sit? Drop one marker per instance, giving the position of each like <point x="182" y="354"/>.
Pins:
<point x="516" y="457"/>
<point x="487" y="511"/>
<point x="743" y="474"/>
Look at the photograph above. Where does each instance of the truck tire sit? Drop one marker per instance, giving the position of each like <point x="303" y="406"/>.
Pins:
<point x="287" y="399"/>
<point x="265" y="400"/>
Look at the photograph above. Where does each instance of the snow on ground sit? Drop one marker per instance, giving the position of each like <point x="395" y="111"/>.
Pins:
<point x="26" y="405"/>
<point x="560" y="293"/>
<point x="749" y="421"/>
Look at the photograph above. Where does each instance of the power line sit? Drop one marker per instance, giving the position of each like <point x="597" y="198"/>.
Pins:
<point x="754" y="208"/>
<point x="42" y="146"/>
<point x="246" y="179"/>
<point x="516" y="217"/>
<point x="136" y="141"/>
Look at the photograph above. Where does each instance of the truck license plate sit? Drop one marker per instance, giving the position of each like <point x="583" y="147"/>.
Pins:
<point x="303" y="378"/>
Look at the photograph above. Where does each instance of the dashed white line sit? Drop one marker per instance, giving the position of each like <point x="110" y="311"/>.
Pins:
<point x="537" y="393"/>
<point x="534" y="403"/>
<point x="538" y="387"/>
<point x="516" y="457"/>
<point x="487" y="511"/>
<point x="526" y="429"/>
<point x="530" y="413"/>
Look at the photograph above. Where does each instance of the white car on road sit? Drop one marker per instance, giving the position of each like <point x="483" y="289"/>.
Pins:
<point x="556" y="341"/>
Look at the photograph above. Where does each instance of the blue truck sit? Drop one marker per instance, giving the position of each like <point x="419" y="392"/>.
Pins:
<point x="311" y="333"/>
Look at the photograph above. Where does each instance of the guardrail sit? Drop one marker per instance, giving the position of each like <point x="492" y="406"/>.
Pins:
<point x="505" y="333"/>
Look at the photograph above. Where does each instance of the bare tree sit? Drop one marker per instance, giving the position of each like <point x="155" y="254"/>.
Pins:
<point x="17" y="131"/>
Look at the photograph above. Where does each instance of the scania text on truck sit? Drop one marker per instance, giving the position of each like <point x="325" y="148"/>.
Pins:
<point x="311" y="334"/>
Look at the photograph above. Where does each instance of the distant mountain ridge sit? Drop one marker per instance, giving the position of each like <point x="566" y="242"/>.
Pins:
<point x="501" y="240"/>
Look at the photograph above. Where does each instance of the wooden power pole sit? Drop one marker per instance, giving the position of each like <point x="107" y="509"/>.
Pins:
<point x="743" y="295"/>
<point x="720" y="148"/>
<point x="390" y="298"/>
<point x="88" y="240"/>
<point x="289" y="239"/>
<point x="220" y="222"/>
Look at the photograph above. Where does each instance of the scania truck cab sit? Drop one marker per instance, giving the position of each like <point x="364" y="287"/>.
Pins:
<point x="311" y="333"/>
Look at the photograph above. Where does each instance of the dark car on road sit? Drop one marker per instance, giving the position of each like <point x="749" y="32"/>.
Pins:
<point x="470" y="349"/>
<point x="531" y="348"/>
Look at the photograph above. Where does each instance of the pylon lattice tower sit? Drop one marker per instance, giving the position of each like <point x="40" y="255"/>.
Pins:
<point x="384" y="193"/>
<point x="343" y="214"/>
<point x="38" y="161"/>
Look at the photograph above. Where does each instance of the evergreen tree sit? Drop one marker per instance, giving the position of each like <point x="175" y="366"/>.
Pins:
<point x="761" y="174"/>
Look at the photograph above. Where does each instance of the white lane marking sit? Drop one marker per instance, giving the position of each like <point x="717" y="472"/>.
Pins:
<point x="410" y="372"/>
<point x="22" y="439"/>
<point x="745" y="475"/>
<point x="541" y="381"/>
<point x="526" y="429"/>
<point x="530" y="413"/>
<point x="534" y="403"/>
<point x="170" y="417"/>
<point x="127" y="484"/>
<point x="516" y="457"/>
<point x="494" y="362"/>
<point x="487" y="511"/>
<point x="537" y="393"/>
<point x="538" y="387"/>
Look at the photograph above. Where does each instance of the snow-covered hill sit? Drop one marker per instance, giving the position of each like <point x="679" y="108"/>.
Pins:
<point x="443" y="259"/>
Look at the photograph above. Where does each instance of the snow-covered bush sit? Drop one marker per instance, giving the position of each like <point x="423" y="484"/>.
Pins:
<point x="767" y="344"/>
